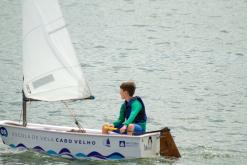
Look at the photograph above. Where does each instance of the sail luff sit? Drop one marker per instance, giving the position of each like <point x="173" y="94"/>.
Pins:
<point x="51" y="69"/>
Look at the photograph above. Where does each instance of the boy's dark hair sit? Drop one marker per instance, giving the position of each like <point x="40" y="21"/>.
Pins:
<point x="128" y="86"/>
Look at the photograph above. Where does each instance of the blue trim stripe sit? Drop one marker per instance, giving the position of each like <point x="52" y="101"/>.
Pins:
<point x="64" y="152"/>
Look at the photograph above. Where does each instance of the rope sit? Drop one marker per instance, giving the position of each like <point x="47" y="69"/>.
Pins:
<point x="74" y="116"/>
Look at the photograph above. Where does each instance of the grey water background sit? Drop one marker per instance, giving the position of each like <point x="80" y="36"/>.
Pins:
<point x="187" y="57"/>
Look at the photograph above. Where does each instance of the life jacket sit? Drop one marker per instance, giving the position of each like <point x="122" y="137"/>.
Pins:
<point x="141" y="116"/>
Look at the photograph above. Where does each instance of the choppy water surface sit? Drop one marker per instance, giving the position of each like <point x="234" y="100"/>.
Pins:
<point x="188" y="58"/>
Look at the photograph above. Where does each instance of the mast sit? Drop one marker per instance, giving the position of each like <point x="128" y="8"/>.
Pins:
<point x="24" y="110"/>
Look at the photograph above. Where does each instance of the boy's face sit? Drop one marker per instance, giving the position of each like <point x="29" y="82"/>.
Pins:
<point x="123" y="93"/>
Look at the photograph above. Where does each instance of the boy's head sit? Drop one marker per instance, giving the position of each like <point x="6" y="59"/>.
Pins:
<point x="129" y="87"/>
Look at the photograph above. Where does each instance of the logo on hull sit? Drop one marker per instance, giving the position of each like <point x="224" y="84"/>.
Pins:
<point x="121" y="143"/>
<point x="149" y="145"/>
<point x="107" y="143"/>
<point x="3" y="132"/>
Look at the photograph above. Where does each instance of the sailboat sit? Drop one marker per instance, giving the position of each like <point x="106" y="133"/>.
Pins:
<point x="51" y="72"/>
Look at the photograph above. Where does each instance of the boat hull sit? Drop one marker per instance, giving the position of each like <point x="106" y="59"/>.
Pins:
<point x="64" y="142"/>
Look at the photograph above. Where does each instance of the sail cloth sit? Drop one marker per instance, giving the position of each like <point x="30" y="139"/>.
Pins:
<point x="50" y="66"/>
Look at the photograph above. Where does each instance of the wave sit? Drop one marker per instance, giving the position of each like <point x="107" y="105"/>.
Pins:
<point x="65" y="152"/>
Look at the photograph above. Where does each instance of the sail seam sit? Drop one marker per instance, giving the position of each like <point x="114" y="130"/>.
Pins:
<point x="29" y="32"/>
<point x="51" y="71"/>
<point x="49" y="23"/>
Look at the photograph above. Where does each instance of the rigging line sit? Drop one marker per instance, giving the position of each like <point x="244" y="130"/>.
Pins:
<point x="82" y="130"/>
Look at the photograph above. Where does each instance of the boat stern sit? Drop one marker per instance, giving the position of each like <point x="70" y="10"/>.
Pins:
<point x="150" y="145"/>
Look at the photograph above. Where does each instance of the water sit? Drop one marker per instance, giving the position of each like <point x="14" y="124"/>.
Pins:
<point x="187" y="57"/>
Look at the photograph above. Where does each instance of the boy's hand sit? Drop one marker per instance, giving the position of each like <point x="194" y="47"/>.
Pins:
<point x="108" y="125"/>
<point x="123" y="129"/>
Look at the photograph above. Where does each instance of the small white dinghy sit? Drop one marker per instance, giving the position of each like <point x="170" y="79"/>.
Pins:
<point x="52" y="73"/>
<point x="61" y="141"/>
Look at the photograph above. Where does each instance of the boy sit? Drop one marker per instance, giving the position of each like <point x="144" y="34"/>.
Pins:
<point x="132" y="118"/>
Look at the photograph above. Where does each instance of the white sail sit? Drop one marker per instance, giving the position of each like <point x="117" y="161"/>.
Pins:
<point x="50" y="66"/>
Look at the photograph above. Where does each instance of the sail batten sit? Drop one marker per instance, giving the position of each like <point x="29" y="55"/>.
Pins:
<point x="50" y="66"/>
<point x="57" y="29"/>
